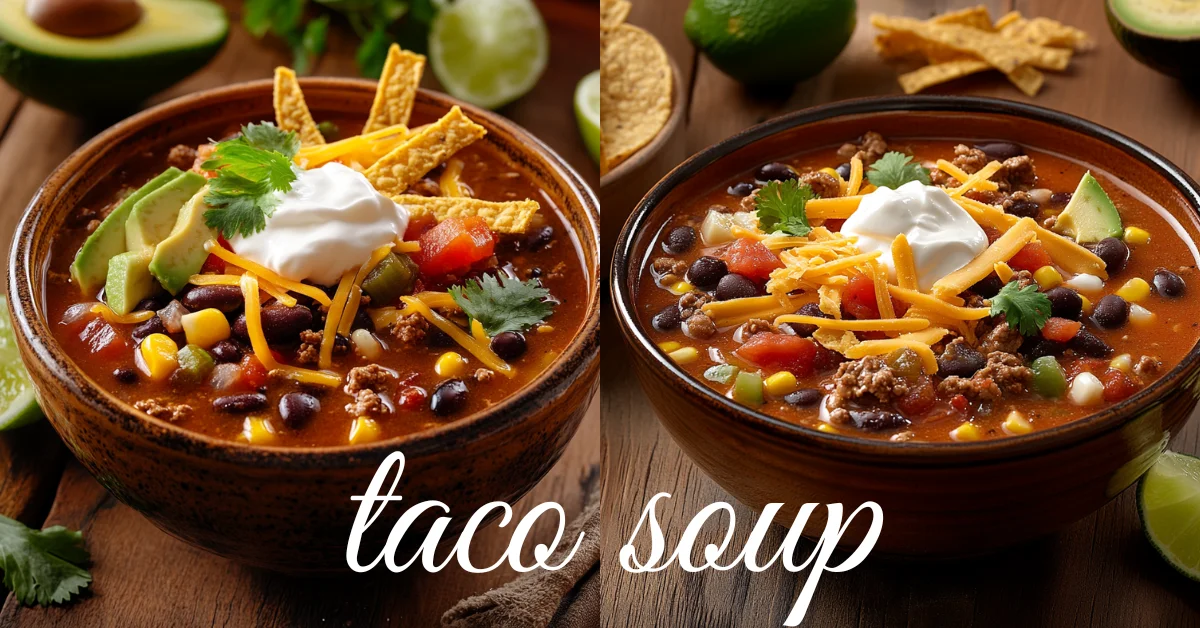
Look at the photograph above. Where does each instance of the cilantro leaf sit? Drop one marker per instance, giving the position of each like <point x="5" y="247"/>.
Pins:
<point x="780" y="207"/>
<point x="894" y="170"/>
<point x="267" y="136"/>
<point x="1026" y="309"/>
<point x="250" y="169"/>
<point x="505" y="304"/>
<point x="42" y="566"/>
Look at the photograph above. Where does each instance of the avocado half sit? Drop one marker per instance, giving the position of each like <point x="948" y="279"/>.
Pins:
<point x="111" y="74"/>
<point x="1162" y="34"/>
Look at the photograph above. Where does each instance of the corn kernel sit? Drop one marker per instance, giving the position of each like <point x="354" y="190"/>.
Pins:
<point x="1140" y="316"/>
<point x="1136" y="236"/>
<point x="1087" y="304"/>
<point x="160" y="356"/>
<point x="1016" y="423"/>
<point x="686" y="355"/>
<point x="258" y="431"/>
<point x="669" y="346"/>
<point x="450" y="364"/>
<point x="1123" y="362"/>
<point x="827" y="428"/>
<point x="1135" y="290"/>
<point x="364" y="430"/>
<point x="1047" y="277"/>
<point x="780" y="384"/>
<point x="965" y="432"/>
<point x="544" y="329"/>
<point x="1003" y="271"/>
<point x="205" y="328"/>
<point x="682" y="287"/>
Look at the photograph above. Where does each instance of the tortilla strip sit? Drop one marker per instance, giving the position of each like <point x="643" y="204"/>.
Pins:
<point x="1026" y="78"/>
<point x="502" y="217"/>
<point x="1001" y="52"/>
<point x="613" y="13"/>
<point x="423" y="151"/>
<point x="291" y="112"/>
<point x="397" y="89"/>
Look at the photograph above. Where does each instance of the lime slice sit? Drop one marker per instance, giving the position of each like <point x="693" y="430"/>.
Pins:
<point x="1169" y="503"/>
<point x="488" y="52"/>
<point x="16" y="392"/>
<point x="587" y="112"/>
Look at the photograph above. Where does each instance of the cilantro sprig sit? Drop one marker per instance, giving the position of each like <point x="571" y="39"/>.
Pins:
<point x="1026" y="309"/>
<point x="780" y="207"/>
<point x="894" y="170"/>
<point x="250" y="169"/>
<point x="42" y="566"/>
<point x="504" y="304"/>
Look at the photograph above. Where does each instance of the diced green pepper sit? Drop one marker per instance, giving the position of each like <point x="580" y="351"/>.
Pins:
<point x="906" y="362"/>
<point x="391" y="279"/>
<point x="1049" y="380"/>
<point x="194" y="364"/>
<point x="748" y="389"/>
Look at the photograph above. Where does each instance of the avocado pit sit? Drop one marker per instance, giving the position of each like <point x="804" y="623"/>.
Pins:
<point x="84" y="18"/>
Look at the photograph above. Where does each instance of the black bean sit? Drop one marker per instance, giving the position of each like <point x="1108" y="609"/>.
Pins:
<point x="844" y="171"/>
<point x="1086" y="343"/>
<point x="1114" y="253"/>
<point x="735" y="286"/>
<point x="538" y="240"/>
<point x="341" y="343"/>
<point x="362" y="320"/>
<point x="877" y="420"/>
<point x="154" y="303"/>
<point x="280" y="323"/>
<point x="804" y="397"/>
<point x="1035" y="348"/>
<point x="125" y="375"/>
<point x="448" y="398"/>
<point x="296" y="408"/>
<point x="706" y="271"/>
<point x="1000" y="151"/>
<point x="509" y="345"/>
<point x="1167" y="283"/>
<point x="434" y="338"/>
<point x="225" y="298"/>
<point x="226" y="352"/>
<point x="1060" y="199"/>
<point x="808" y="309"/>
<point x="776" y="171"/>
<point x="1024" y="209"/>
<point x="680" y="240"/>
<point x="668" y="319"/>
<point x="741" y="189"/>
<point x="960" y="359"/>
<point x="1065" y="303"/>
<point x="153" y="325"/>
<point x="988" y="287"/>
<point x="245" y="402"/>
<point x="1111" y="312"/>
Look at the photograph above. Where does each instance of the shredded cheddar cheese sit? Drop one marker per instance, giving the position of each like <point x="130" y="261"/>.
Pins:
<point x="262" y="351"/>
<point x="465" y="340"/>
<point x="838" y="207"/>
<point x="333" y="318"/>
<point x="131" y="318"/>
<point x="856" y="176"/>
<point x="902" y="259"/>
<point x="883" y="300"/>
<point x="870" y="324"/>
<point x="939" y="306"/>
<point x="884" y="347"/>
<point x="1002" y="250"/>
<point x="963" y="177"/>
<point x="407" y="247"/>
<point x="1003" y="271"/>
<point x="450" y="182"/>
<point x="1065" y="252"/>
<point x="738" y="311"/>
<point x="985" y="173"/>
<point x="229" y="257"/>
<point x="234" y="280"/>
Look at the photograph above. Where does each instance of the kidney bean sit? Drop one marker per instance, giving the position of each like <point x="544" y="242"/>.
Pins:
<point x="804" y="397"/>
<point x="245" y="402"/>
<point x="449" y="397"/>
<point x="960" y="359"/>
<point x="775" y="171"/>
<point x="296" y="408"/>
<point x="1086" y="343"/>
<point x="226" y="352"/>
<point x="1060" y="199"/>
<point x="1000" y="151"/>
<point x="1111" y="312"/>
<point x="152" y="325"/>
<point x="668" y="319"/>
<point x="225" y="298"/>
<point x="1167" y="283"/>
<point x="1114" y="253"/>
<point x="680" y="240"/>
<point x="1041" y="347"/>
<point x="735" y="286"/>
<point x="154" y="303"/>
<point x="808" y="309"/>
<point x="741" y="189"/>
<point x="705" y="272"/>
<point x="281" y="324"/>
<point x="1065" y="303"/>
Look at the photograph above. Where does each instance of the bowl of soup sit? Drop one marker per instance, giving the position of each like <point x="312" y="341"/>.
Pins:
<point x="232" y="315"/>
<point x="976" y="313"/>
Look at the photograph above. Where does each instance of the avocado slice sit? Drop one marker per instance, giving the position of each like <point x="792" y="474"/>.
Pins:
<point x="111" y="74"/>
<point x="1162" y="34"/>
<point x="1091" y="215"/>
<point x="182" y="253"/>
<point x="129" y="281"/>
<point x="90" y="267"/>
<point x="154" y="217"/>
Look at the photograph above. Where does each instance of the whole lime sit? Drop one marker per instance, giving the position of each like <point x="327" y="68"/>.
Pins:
<point x="770" y="42"/>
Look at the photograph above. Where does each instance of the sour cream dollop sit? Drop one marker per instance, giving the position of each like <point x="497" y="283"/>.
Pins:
<point x="329" y="222"/>
<point x="943" y="236"/>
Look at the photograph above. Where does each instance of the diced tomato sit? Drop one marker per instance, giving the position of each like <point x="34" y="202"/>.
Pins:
<point x="104" y="341"/>
<point x="992" y="234"/>
<point x="1117" y="385"/>
<point x="254" y="374"/>
<point x="213" y="265"/>
<point x="834" y="224"/>
<point x="223" y="242"/>
<point x="412" y="398"/>
<point x="1032" y="257"/>
<point x="750" y="258"/>
<point x="454" y="245"/>
<point x="779" y="352"/>
<point x="919" y="399"/>
<point x="960" y="403"/>
<point x="418" y="225"/>
<point x="858" y="299"/>
<point x="1060" y="329"/>
<point x="1081" y="365"/>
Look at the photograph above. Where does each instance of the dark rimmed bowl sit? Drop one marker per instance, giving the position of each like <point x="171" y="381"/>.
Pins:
<point x="279" y="508"/>
<point x="937" y="498"/>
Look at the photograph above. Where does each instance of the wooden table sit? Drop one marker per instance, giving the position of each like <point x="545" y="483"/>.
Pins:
<point x="144" y="577"/>
<point x="1100" y="571"/>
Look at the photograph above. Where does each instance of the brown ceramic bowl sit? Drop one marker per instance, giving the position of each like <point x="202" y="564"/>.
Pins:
<point x="937" y="498"/>
<point x="290" y="509"/>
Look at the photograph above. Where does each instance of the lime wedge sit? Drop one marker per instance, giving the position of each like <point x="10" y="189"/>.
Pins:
<point x="587" y="112"/>
<point x="16" y="392"/>
<point x="488" y="52"/>
<point x="1169" y="503"/>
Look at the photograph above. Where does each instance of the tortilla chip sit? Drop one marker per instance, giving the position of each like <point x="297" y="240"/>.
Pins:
<point x="1027" y="79"/>
<point x="975" y="17"/>
<point x="613" y="13"/>
<point x="291" y="112"/>
<point x="635" y="93"/>
<point x="1042" y="31"/>
<point x="938" y="73"/>
<point x="423" y="151"/>
<point x="1000" y="52"/>
<point x="397" y="89"/>
<point x="503" y="217"/>
<point x="1006" y="19"/>
<point x="840" y="341"/>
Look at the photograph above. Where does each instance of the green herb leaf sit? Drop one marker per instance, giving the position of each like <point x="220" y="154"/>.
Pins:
<point x="721" y="373"/>
<point x="372" y="53"/>
<point x="1026" y="309"/>
<point x="250" y="169"/>
<point x="780" y="207"/>
<point x="503" y="305"/>
<point x="42" y="566"/>
<point x="267" y="136"/>
<point x="894" y="170"/>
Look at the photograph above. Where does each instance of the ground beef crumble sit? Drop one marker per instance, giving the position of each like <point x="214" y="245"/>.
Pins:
<point x="1004" y="373"/>
<point x="483" y="375"/>
<point x="410" y="330"/>
<point x="1001" y="338"/>
<point x="182" y="156"/>
<point x="364" y="384"/>
<point x="699" y="326"/>
<point x="824" y="184"/>
<point x="1017" y="173"/>
<point x="165" y="410"/>
<point x="869" y="376"/>
<point x="749" y="203"/>
<point x="869" y="149"/>
<point x="758" y="326"/>
<point x="668" y="265"/>
<point x="309" y="350"/>
<point x="1147" y="366"/>
<point x="691" y="303"/>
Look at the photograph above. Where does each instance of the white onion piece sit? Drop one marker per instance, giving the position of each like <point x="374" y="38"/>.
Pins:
<point x="1086" y="390"/>
<point x="366" y="345"/>
<point x="78" y="312"/>
<point x="172" y="317"/>
<point x="1085" y="283"/>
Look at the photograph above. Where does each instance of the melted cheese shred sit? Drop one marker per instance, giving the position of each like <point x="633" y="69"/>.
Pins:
<point x="738" y="311"/>
<point x="985" y="173"/>
<point x="278" y="293"/>
<point x="906" y="267"/>
<point x="1002" y="250"/>
<point x="868" y="324"/>
<point x="465" y="340"/>
<point x="856" y="177"/>
<point x="963" y="177"/>
<point x="839" y="207"/>
<point x="312" y="292"/>
<point x="333" y="318"/>
<point x="883" y="300"/>
<point x="131" y="318"/>
<point x="1065" y="252"/>
<point x="262" y="351"/>
<point x="918" y="341"/>
<point x="355" y="299"/>
<point x="938" y="306"/>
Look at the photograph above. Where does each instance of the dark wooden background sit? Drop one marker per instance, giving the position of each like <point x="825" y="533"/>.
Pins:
<point x="1099" y="572"/>
<point x="144" y="577"/>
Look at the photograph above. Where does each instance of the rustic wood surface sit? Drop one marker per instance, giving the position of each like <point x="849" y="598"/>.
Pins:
<point x="143" y="577"/>
<point x="1099" y="572"/>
